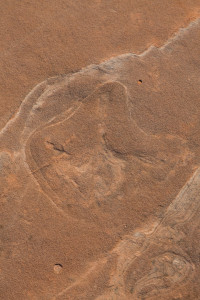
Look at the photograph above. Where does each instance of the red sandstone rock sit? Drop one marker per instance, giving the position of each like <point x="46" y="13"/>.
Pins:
<point x="100" y="167"/>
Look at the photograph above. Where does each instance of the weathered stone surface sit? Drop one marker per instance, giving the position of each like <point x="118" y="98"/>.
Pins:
<point x="100" y="180"/>
<point x="41" y="39"/>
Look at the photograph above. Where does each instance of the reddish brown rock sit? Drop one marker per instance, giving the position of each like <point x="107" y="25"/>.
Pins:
<point x="100" y="170"/>
<point x="40" y="39"/>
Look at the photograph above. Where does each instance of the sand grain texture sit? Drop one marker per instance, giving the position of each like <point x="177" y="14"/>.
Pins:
<point x="100" y="167"/>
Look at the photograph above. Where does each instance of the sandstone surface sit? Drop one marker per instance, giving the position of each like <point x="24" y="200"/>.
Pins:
<point x="100" y="163"/>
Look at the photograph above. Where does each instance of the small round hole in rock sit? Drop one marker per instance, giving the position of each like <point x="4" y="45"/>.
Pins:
<point x="58" y="268"/>
<point x="139" y="81"/>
